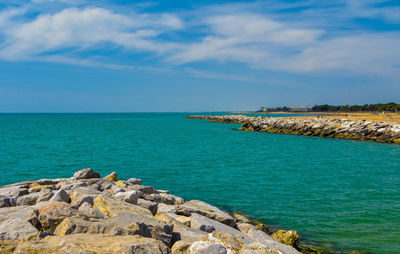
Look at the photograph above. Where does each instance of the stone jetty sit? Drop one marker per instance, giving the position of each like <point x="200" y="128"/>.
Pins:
<point x="388" y="132"/>
<point x="89" y="214"/>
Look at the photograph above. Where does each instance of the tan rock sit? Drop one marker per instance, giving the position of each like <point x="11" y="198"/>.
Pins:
<point x="111" y="207"/>
<point x="113" y="177"/>
<point x="202" y="208"/>
<point x="101" y="244"/>
<point x="181" y="247"/>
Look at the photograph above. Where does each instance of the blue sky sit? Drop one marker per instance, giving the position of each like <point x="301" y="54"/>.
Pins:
<point x="186" y="55"/>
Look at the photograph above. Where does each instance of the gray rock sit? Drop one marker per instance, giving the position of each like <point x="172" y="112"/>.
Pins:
<point x="60" y="196"/>
<point x="164" y="198"/>
<point x="181" y="231"/>
<point x="144" y="189"/>
<point x="116" y="189"/>
<point x="129" y="196"/>
<point x="152" y="206"/>
<point x="166" y="208"/>
<point x="16" y="228"/>
<point x="268" y="241"/>
<point x="208" y="225"/>
<point x="81" y="195"/>
<point x="86" y="173"/>
<point x="13" y="191"/>
<point x="93" y="213"/>
<point x="29" y="199"/>
<point x="211" y="249"/>
<point x="135" y="181"/>
<point x="45" y="195"/>
<point x="202" y="208"/>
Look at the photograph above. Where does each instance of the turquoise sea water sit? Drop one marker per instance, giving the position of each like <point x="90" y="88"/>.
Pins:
<point x="338" y="192"/>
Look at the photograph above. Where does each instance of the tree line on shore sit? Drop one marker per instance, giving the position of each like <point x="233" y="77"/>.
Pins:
<point x="379" y="107"/>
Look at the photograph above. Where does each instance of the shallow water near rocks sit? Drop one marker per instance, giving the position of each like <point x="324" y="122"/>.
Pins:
<point x="340" y="193"/>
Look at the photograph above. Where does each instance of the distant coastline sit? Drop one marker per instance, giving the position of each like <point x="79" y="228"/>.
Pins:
<point x="385" y="132"/>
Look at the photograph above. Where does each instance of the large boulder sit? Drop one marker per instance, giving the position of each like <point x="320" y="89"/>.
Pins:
<point x="122" y="224"/>
<point x="29" y="199"/>
<point x="208" y="225"/>
<point x="290" y="238"/>
<point x="131" y="196"/>
<point x="151" y="206"/>
<point x="60" y="196"/>
<point x="16" y="228"/>
<point x="86" y="173"/>
<point x="112" y="207"/>
<point x="268" y="241"/>
<point x="165" y="198"/>
<point x="92" y="243"/>
<point x="181" y="231"/>
<point x="84" y="194"/>
<point x="45" y="195"/>
<point x="202" y="208"/>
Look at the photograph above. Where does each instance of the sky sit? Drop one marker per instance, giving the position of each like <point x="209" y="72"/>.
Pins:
<point x="192" y="56"/>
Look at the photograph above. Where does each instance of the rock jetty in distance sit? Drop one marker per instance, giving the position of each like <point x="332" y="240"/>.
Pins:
<point x="387" y="132"/>
<point x="89" y="214"/>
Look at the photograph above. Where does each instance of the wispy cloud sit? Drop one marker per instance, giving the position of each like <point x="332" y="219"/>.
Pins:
<point x="256" y="34"/>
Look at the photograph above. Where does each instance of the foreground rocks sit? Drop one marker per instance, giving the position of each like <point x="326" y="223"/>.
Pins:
<point x="388" y="132"/>
<point x="89" y="214"/>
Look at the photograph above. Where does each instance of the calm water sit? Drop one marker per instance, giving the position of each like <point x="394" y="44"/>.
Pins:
<point x="338" y="192"/>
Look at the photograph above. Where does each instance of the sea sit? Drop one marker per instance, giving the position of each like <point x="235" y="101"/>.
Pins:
<point x="340" y="194"/>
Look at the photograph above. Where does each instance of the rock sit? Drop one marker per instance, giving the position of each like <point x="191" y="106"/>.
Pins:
<point x="8" y="201"/>
<point x="111" y="207"/>
<point x="16" y="228"/>
<point x="101" y="244"/>
<point x="60" y="196"/>
<point x="290" y="238"/>
<point x="181" y="231"/>
<point x="166" y="208"/>
<point x="13" y="191"/>
<point x="181" y="247"/>
<point x="208" y="225"/>
<point x="151" y="206"/>
<point x="29" y="199"/>
<point x="184" y="220"/>
<point x="165" y="198"/>
<point x="45" y="195"/>
<point x="112" y="177"/>
<point x="52" y="213"/>
<point x="268" y="241"/>
<point x="116" y="189"/>
<point x="202" y="208"/>
<point x="144" y="189"/>
<point x="245" y="227"/>
<point x="212" y="248"/>
<point x="135" y="181"/>
<point x="36" y="187"/>
<point x="122" y="224"/>
<point x="258" y="248"/>
<point x="93" y="213"/>
<point x="129" y="196"/>
<point x="121" y="184"/>
<point x="81" y="195"/>
<point x="86" y="173"/>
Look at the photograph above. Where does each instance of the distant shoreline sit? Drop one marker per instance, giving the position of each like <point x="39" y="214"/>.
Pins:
<point x="385" y="132"/>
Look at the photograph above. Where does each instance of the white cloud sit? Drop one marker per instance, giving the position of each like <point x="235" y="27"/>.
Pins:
<point x="84" y="28"/>
<point x="228" y="34"/>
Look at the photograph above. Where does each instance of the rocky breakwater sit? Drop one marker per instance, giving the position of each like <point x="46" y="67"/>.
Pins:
<point x="388" y="132"/>
<point x="89" y="214"/>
